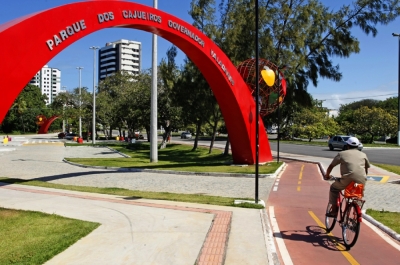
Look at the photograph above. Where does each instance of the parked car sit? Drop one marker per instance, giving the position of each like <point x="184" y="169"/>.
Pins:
<point x="339" y="141"/>
<point x="70" y="136"/>
<point x="186" y="135"/>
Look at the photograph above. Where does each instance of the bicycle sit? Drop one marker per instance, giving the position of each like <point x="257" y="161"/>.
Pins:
<point x="349" y="215"/>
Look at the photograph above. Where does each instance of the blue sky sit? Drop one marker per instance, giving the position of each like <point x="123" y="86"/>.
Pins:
<point x="372" y="73"/>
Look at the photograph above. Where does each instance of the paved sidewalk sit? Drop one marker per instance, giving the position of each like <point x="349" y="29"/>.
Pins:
<point x="136" y="231"/>
<point x="147" y="231"/>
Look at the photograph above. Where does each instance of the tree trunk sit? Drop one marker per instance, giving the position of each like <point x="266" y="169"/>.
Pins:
<point x="226" y="152"/>
<point x="23" y="125"/>
<point x="196" y="140"/>
<point x="147" y="128"/>
<point x="166" y="137"/>
<point x="213" y="136"/>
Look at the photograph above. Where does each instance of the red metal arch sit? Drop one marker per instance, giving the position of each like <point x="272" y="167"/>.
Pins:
<point x="46" y="125"/>
<point x="30" y="42"/>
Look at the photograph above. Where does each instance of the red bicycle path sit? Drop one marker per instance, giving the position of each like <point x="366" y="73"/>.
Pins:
<point x="299" y="205"/>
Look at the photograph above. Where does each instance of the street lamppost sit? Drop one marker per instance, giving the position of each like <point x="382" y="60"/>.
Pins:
<point x="153" y="100"/>
<point x="80" y="101"/>
<point x="63" y="125"/>
<point x="94" y="48"/>
<point x="257" y="106"/>
<point x="398" y="95"/>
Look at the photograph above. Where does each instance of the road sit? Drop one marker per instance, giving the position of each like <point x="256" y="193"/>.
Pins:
<point x="390" y="156"/>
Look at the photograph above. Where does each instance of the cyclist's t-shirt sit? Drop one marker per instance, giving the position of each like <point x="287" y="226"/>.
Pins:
<point x="352" y="164"/>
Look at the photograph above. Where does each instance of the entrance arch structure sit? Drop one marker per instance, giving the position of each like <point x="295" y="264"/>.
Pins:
<point x="29" y="42"/>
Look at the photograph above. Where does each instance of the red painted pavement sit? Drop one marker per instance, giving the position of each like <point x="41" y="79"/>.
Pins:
<point x="306" y="241"/>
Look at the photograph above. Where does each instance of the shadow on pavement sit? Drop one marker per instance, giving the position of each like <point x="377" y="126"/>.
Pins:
<point x="315" y="235"/>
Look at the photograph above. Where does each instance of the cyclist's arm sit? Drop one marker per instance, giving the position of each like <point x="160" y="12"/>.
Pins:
<point x="367" y="165"/>
<point x="328" y="171"/>
<point x="334" y="163"/>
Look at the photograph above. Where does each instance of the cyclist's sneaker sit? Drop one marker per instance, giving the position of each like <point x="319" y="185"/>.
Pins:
<point x="331" y="214"/>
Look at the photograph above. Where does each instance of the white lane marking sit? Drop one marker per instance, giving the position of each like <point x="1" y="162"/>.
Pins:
<point x="278" y="178"/>
<point x="383" y="235"/>
<point x="278" y="237"/>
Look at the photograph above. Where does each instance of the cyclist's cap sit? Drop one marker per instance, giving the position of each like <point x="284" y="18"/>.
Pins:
<point x="353" y="141"/>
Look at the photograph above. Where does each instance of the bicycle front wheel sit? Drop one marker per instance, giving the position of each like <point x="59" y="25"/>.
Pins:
<point x="351" y="226"/>
<point x="329" y="221"/>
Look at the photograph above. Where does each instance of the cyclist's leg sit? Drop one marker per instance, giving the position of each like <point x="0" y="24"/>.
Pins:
<point x="329" y="220"/>
<point x="336" y="187"/>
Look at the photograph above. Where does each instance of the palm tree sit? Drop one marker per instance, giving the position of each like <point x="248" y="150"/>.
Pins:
<point x="21" y="106"/>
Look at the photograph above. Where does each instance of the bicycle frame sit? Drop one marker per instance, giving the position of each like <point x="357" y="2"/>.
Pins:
<point x="344" y="203"/>
<point x="349" y="218"/>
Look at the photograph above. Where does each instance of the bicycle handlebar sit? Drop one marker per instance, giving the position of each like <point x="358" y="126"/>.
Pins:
<point x="331" y="177"/>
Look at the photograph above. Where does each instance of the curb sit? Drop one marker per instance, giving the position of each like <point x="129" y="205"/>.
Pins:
<point x="269" y="238"/>
<point x="381" y="226"/>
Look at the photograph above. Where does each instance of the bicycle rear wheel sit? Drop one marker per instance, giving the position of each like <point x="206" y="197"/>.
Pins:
<point x="350" y="226"/>
<point x="329" y="221"/>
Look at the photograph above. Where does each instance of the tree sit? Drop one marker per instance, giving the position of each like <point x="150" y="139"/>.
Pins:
<point x="372" y="121"/>
<point x="313" y="122"/>
<point x="391" y="105"/>
<point x="304" y="35"/>
<point x="21" y="107"/>
<point x="358" y="104"/>
<point x="169" y="108"/>
<point x="22" y="116"/>
<point x="112" y="93"/>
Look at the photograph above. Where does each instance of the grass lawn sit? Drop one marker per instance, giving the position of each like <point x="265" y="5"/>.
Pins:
<point x="29" y="237"/>
<point x="136" y="194"/>
<point x="177" y="157"/>
<point x="390" y="219"/>
<point x="390" y="168"/>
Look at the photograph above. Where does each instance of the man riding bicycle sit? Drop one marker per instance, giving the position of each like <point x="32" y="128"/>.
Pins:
<point x="354" y="166"/>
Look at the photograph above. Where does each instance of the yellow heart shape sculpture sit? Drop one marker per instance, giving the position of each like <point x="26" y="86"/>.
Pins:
<point x="269" y="76"/>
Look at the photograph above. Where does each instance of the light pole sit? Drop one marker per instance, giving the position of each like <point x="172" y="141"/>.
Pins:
<point x="398" y="95"/>
<point x="80" y="101"/>
<point x="63" y="128"/>
<point x="153" y="104"/>
<point x="94" y="48"/>
<point x="257" y="105"/>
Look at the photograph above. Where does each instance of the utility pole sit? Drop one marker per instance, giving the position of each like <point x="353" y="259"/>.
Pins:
<point x="153" y="111"/>
<point x="94" y="48"/>
<point x="80" y="101"/>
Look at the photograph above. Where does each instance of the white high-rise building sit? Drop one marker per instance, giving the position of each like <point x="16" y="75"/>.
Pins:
<point x="49" y="81"/>
<point x="121" y="55"/>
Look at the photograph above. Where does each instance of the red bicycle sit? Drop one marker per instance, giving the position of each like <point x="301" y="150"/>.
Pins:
<point x="349" y="215"/>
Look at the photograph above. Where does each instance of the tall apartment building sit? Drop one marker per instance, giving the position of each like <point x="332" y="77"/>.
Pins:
<point x="121" y="55"/>
<point x="49" y="81"/>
